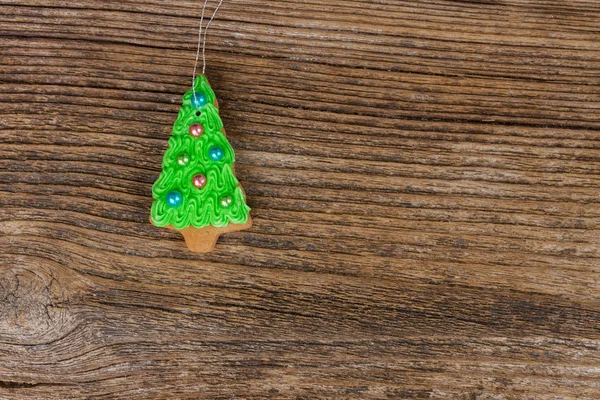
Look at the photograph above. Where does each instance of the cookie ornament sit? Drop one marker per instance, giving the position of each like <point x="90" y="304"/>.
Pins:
<point x="197" y="192"/>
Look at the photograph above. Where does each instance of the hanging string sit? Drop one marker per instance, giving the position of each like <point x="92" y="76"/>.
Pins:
<point x="203" y="40"/>
<point x="199" y="40"/>
<point x="205" y="33"/>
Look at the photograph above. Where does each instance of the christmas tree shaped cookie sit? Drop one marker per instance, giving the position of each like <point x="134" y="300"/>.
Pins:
<point x="197" y="192"/>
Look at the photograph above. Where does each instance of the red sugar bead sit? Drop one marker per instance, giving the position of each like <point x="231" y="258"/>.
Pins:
<point x="196" y="130"/>
<point x="199" y="181"/>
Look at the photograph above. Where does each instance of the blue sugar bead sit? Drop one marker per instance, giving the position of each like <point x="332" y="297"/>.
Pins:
<point x="216" y="153"/>
<point x="174" y="198"/>
<point x="198" y="100"/>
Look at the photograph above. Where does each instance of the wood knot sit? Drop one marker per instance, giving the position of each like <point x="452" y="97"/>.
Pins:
<point x="31" y="301"/>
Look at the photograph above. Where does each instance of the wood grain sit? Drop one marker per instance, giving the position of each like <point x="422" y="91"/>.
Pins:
<point x="424" y="178"/>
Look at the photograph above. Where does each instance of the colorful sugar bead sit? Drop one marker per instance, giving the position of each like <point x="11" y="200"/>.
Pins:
<point x="183" y="159"/>
<point x="174" y="198"/>
<point x="196" y="130"/>
<point x="198" y="100"/>
<point x="199" y="181"/>
<point x="215" y="153"/>
<point x="226" y="201"/>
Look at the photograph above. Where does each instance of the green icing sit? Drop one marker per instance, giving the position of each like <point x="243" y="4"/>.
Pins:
<point x="200" y="207"/>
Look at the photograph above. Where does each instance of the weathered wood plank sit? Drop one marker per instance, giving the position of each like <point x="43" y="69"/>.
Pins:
<point x="424" y="178"/>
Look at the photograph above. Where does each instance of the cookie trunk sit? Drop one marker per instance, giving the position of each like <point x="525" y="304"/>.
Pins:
<point x="203" y="240"/>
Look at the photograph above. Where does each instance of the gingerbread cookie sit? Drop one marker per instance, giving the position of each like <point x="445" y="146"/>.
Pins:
<point x="197" y="192"/>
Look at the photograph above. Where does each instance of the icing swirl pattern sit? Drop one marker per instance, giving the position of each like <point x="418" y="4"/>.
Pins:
<point x="200" y="207"/>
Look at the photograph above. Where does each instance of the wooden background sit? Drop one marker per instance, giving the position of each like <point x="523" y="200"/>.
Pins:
<point x="424" y="178"/>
